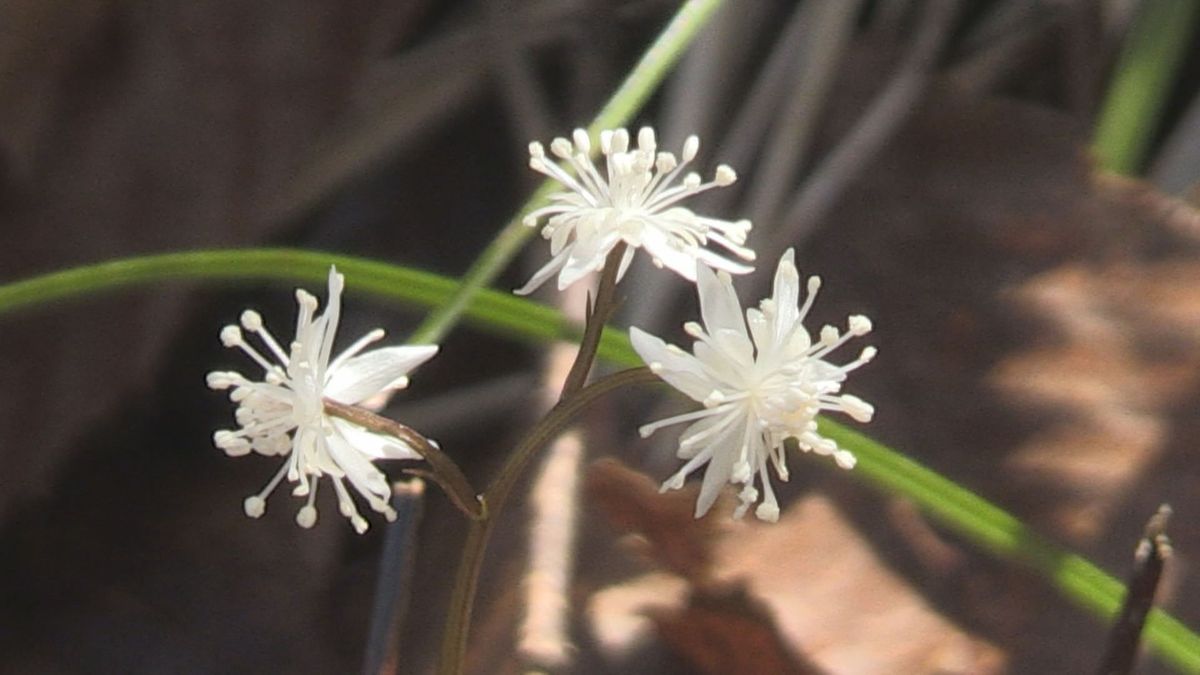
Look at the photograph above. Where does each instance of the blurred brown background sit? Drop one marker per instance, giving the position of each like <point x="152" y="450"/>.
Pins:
<point x="1038" y="322"/>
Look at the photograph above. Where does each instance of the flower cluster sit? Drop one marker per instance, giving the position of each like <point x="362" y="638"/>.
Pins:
<point x="760" y="375"/>
<point x="636" y="202"/>
<point x="283" y="414"/>
<point x="762" y="380"/>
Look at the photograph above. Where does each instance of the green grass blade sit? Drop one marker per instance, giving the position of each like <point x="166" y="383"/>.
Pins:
<point x="1145" y="72"/>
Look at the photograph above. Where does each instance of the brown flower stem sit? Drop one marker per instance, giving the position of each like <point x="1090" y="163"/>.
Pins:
<point x="454" y="642"/>
<point x="445" y="472"/>
<point x="598" y="315"/>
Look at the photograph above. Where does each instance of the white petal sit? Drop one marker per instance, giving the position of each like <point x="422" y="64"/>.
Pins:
<point x="786" y="294"/>
<point x="718" y="262"/>
<point x="362" y="474"/>
<point x="719" y="305"/>
<point x="543" y="275"/>
<point x="371" y="444"/>
<point x="680" y="369"/>
<point x="588" y="255"/>
<point x="333" y="310"/>
<point x="662" y="248"/>
<point x="720" y="467"/>
<point x="367" y="374"/>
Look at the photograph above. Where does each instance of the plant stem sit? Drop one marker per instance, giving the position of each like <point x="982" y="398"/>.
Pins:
<point x="1149" y="560"/>
<point x="454" y="640"/>
<point x="462" y="599"/>
<point x="598" y="315"/>
<point x="445" y="472"/>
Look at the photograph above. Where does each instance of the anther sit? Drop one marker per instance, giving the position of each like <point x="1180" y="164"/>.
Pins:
<point x="254" y="506"/>
<point x="768" y="512"/>
<point x="231" y="336"/>
<point x="859" y="324"/>
<point x="858" y="409"/>
<point x="561" y="147"/>
<point x="646" y="139"/>
<point x="252" y="321"/>
<point x="306" y="517"/>
<point x="582" y="143"/>
<point x="691" y="146"/>
<point x="741" y="472"/>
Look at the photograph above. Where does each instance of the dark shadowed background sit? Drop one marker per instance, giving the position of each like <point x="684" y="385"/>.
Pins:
<point x="1038" y="321"/>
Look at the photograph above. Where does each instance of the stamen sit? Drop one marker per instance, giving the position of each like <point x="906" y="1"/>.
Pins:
<point x="373" y="336"/>
<point x="582" y="143"/>
<point x="674" y="482"/>
<point x="691" y="146"/>
<point x="859" y="324"/>
<point x="646" y="429"/>
<point x="768" y="510"/>
<point x="254" y="506"/>
<point x="646" y="139"/>
<point x="347" y="508"/>
<point x="814" y="285"/>
<point x="306" y="517"/>
<point x="561" y="148"/>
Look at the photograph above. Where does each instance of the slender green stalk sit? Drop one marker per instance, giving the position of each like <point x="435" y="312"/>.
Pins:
<point x="995" y="530"/>
<point x="641" y="82"/>
<point x="959" y="509"/>
<point x="500" y="312"/>
<point x="466" y="580"/>
<point x="570" y="402"/>
<point x="1154" y="50"/>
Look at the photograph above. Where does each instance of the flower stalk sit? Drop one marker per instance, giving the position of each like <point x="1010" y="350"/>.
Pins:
<point x="444" y="471"/>
<point x="462" y="599"/>
<point x="574" y="399"/>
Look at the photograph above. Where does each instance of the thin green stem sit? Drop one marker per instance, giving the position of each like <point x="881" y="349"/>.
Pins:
<point x="501" y="313"/>
<point x="628" y="99"/>
<point x="1142" y="81"/>
<point x="466" y="581"/>
<point x="570" y="402"/>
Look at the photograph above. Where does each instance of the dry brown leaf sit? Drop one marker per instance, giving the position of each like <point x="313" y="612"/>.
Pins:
<point x="632" y="504"/>
<point x="808" y="584"/>
<point x="728" y="632"/>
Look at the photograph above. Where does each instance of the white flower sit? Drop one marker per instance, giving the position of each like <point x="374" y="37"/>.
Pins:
<point x="284" y="413"/>
<point x="636" y="203"/>
<point x="758" y="387"/>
